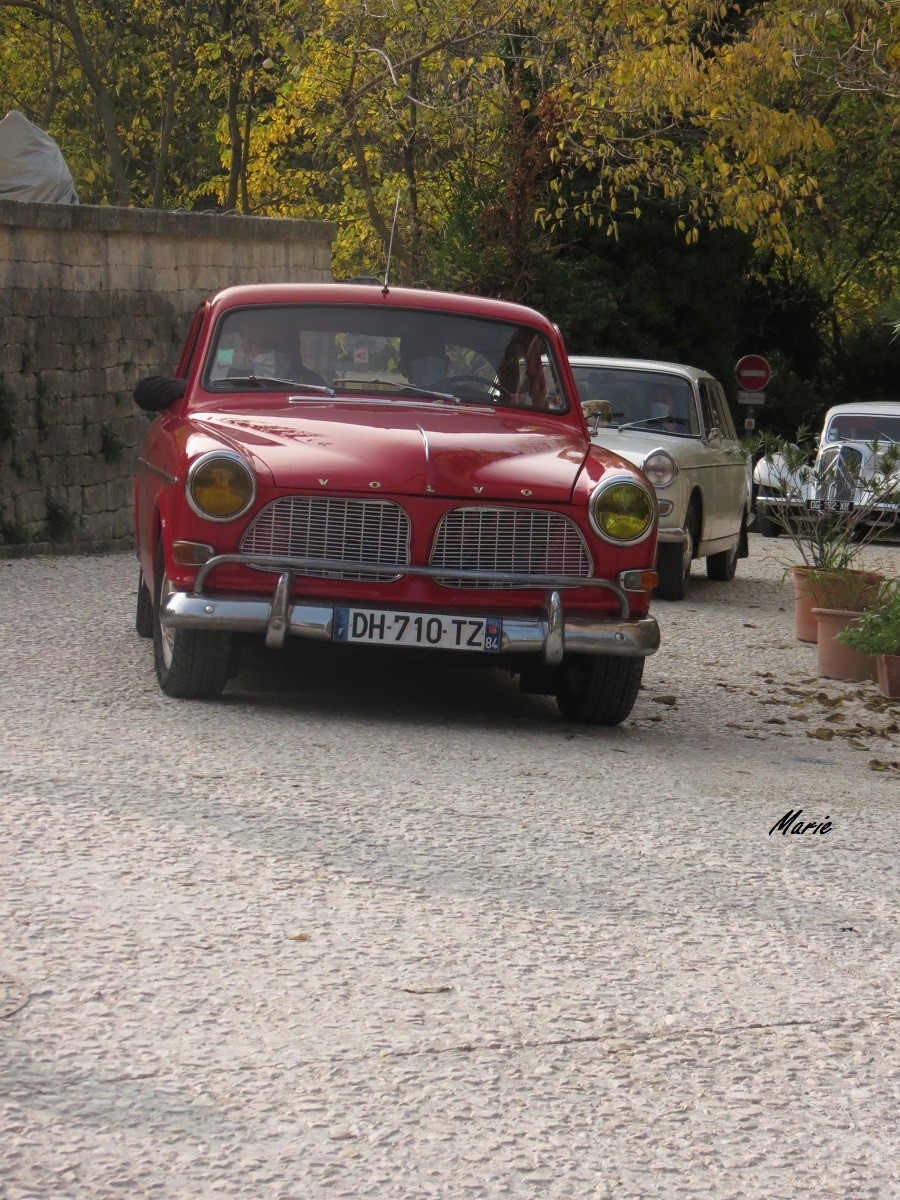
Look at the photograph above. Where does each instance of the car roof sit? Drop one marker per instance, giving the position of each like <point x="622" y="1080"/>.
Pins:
<point x="370" y="294"/>
<point x="865" y="408"/>
<point x="639" y="364"/>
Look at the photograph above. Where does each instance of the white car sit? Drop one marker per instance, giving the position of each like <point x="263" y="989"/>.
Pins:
<point x="673" y="422"/>
<point x="847" y="476"/>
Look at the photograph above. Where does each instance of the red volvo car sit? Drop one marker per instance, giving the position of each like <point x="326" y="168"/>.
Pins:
<point x="396" y="468"/>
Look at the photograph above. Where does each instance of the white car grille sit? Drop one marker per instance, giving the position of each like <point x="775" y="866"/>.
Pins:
<point x="509" y="540"/>
<point x="838" y="470"/>
<point x="370" y="531"/>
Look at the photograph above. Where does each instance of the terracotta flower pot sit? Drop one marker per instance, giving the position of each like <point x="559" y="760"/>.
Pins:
<point x="845" y="590"/>
<point x="835" y="660"/>
<point x="888" y="668"/>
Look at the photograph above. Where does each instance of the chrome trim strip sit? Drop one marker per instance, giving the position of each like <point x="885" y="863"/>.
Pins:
<point x="158" y="471"/>
<point x="521" y="635"/>
<point x="425" y="440"/>
<point x="301" y="566"/>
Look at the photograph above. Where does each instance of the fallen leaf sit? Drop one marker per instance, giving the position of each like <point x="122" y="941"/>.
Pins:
<point x="300" y="937"/>
<point x="427" y="989"/>
<point x="664" y="699"/>
<point x="824" y="735"/>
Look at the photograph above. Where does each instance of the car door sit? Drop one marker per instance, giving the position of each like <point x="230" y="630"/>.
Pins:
<point x="725" y="475"/>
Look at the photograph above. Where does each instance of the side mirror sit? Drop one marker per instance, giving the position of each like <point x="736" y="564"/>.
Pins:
<point x="598" y="411"/>
<point x="157" y="392"/>
<point x="714" y="437"/>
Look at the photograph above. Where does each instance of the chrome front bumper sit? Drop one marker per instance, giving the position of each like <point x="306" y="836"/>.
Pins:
<point x="549" y="635"/>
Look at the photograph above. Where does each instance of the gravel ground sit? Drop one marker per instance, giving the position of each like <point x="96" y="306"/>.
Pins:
<point x="370" y="928"/>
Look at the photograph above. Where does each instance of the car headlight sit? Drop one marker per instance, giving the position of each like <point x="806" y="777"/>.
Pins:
<point x="660" y="468"/>
<point x="622" y="511"/>
<point x="220" y="486"/>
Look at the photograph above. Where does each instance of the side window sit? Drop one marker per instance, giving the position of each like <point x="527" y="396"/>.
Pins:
<point x="187" y="356"/>
<point x="723" y="413"/>
<point x="707" y="407"/>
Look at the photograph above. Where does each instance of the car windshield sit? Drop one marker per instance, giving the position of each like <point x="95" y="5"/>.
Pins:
<point x="863" y="427"/>
<point x="385" y="351"/>
<point x="654" y="399"/>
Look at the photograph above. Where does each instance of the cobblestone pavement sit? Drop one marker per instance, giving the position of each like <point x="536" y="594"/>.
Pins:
<point x="368" y="928"/>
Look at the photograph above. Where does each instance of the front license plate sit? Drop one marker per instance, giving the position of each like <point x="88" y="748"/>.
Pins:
<point x="439" y="631"/>
<point x="838" y="506"/>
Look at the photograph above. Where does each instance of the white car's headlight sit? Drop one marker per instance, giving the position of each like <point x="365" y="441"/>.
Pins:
<point x="660" y="468"/>
<point x="220" y="486"/>
<point x="622" y="511"/>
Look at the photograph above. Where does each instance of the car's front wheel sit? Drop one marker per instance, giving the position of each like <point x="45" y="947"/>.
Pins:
<point x="190" y="664"/>
<point x="673" y="561"/>
<point x="722" y="566"/>
<point x="598" y="689"/>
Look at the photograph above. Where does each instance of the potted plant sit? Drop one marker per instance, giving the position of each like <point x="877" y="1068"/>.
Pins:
<point x="876" y="631"/>
<point x="829" y="510"/>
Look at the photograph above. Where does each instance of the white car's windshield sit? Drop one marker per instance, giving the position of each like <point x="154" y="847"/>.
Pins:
<point x="384" y="351"/>
<point x="652" y="398"/>
<point x="863" y="427"/>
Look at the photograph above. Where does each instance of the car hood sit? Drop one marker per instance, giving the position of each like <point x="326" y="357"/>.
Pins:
<point x="404" y="449"/>
<point x="636" y="444"/>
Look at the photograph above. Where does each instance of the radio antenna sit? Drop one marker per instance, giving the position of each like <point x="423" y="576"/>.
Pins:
<point x="387" y="268"/>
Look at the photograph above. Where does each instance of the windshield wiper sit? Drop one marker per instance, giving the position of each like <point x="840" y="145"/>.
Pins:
<point x="652" y="421"/>
<point x="264" y="381"/>
<point x="402" y="389"/>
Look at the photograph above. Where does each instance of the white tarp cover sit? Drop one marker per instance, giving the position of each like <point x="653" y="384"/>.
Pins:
<point x="32" y="166"/>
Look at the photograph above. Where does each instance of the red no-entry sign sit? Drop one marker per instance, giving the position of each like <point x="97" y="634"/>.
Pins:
<point x="752" y="372"/>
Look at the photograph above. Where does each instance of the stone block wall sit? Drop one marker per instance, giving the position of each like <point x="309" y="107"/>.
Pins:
<point x="91" y="300"/>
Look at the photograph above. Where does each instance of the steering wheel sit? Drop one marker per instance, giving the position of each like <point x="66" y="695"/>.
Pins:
<point x="487" y="386"/>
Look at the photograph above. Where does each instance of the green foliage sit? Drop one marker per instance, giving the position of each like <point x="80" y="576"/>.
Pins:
<point x="111" y="445"/>
<point x="61" y="521"/>
<point x="695" y="181"/>
<point x="877" y="629"/>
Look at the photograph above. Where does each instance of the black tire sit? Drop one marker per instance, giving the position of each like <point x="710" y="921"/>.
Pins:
<point x="765" y="526"/>
<point x="190" y="664"/>
<point x="598" y="689"/>
<point x="673" y="563"/>
<point x="143" y="617"/>
<point x="721" y="567"/>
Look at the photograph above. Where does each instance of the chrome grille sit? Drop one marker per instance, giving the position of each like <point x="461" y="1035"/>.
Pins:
<point x="370" y="531"/>
<point x="524" y="542"/>
<point x="838" y="473"/>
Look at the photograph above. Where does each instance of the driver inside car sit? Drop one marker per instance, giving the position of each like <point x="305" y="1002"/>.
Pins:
<point x="424" y="360"/>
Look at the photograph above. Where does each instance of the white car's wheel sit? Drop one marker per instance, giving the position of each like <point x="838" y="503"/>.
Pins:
<point x="673" y="562"/>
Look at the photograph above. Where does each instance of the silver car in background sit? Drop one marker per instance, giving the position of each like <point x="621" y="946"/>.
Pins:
<point x="851" y="473"/>
<point x="673" y="422"/>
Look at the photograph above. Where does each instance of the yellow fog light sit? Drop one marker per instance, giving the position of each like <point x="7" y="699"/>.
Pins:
<point x="220" y="486"/>
<point x="622" y="511"/>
